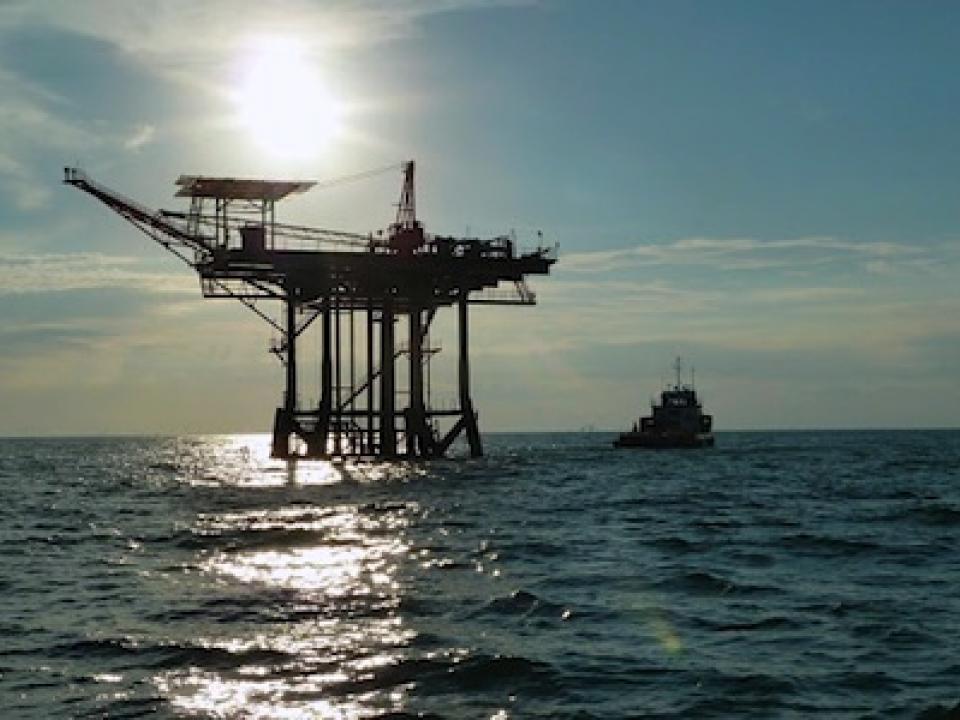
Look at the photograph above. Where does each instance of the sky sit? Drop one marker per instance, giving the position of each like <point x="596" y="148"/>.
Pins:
<point x="769" y="189"/>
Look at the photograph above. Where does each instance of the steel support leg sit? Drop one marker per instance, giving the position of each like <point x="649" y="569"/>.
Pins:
<point x="372" y="448"/>
<point x="284" y="422"/>
<point x="338" y="361"/>
<point x="388" y="419"/>
<point x="463" y="377"/>
<point x="417" y="444"/>
<point x="320" y="444"/>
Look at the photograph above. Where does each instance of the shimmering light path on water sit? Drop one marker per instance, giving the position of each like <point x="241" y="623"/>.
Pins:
<point x="778" y="575"/>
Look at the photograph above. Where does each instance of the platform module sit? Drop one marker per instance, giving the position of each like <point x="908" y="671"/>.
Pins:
<point x="366" y="291"/>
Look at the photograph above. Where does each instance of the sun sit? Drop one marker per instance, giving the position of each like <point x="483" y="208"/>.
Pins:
<point x="282" y="100"/>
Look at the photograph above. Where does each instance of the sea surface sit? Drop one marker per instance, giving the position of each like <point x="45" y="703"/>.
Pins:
<point x="778" y="575"/>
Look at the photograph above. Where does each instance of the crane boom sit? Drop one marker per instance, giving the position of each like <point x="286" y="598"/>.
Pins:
<point x="153" y="222"/>
<point x="171" y="236"/>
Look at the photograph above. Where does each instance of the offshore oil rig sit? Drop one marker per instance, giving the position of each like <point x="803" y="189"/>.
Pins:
<point x="363" y="290"/>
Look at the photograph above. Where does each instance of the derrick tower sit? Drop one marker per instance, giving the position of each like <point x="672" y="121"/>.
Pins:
<point x="364" y="290"/>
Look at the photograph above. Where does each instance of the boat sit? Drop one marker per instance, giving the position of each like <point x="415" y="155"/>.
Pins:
<point x="678" y="421"/>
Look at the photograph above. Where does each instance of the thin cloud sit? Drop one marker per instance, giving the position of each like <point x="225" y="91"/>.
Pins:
<point x="31" y="120"/>
<point x="19" y="183"/>
<point x="621" y="298"/>
<point x="57" y="272"/>
<point x="142" y="136"/>
<point x="32" y="114"/>
<point x="154" y="30"/>
<point x="23" y="339"/>
<point x="661" y="297"/>
<point x="737" y="254"/>
<point x="805" y="295"/>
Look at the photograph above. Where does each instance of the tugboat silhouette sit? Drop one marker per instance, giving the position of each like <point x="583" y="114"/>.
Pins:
<point x="677" y="422"/>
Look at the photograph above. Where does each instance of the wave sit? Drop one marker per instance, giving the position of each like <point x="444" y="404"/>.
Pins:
<point x="129" y="707"/>
<point x="436" y="675"/>
<point x="521" y="602"/>
<point x="935" y="514"/>
<point x="249" y="539"/>
<point x="503" y="671"/>
<point x="715" y="585"/>
<point x="776" y="622"/>
<point x="869" y="681"/>
<point x="166" y="467"/>
<point x="940" y="712"/>
<point x="826" y="544"/>
<point x="702" y="582"/>
<point x="165" y="655"/>
<point x="678" y="545"/>
<point x="532" y="550"/>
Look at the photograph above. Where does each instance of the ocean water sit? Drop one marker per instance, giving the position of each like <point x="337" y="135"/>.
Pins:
<point x="778" y="575"/>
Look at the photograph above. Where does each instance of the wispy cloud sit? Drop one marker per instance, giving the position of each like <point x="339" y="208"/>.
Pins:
<point x="142" y="136"/>
<point x="56" y="272"/>
<point x="805" y="295"/>
<point x="661" y="297"/>
<point x="179" y="33"/>
<point x="31" y="119"/>
<point x="33" y="114"/>
<point x="29" y="338"/>
<point x="18" y="182"/>
<point x="739" y="254"/>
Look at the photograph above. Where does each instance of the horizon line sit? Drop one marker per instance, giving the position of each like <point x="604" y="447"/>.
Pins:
<point x="596" y="431"/>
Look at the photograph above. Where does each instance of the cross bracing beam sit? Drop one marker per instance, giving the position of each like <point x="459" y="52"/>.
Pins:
<point x="378" y="371"/>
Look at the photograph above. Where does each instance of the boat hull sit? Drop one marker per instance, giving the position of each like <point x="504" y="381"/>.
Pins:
<point x="658" y="441"/>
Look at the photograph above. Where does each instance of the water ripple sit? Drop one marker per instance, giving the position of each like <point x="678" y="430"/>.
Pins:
<point x="779" y="575"/>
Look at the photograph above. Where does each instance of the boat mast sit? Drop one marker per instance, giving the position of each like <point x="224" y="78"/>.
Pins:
<point x="678" y="366"/>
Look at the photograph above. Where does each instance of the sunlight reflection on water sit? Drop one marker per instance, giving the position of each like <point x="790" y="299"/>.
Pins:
<point x="329" y="581"/>
<point x="781" y="575"/>
<point x="244" y="461"/>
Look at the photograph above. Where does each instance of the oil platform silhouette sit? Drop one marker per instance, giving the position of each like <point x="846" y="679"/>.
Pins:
<point x="393" y="281"/>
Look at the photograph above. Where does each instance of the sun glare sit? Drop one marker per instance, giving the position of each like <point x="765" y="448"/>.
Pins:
<point x="283" y="102"/>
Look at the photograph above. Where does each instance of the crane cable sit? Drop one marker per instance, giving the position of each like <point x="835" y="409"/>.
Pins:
<point x="342" y="180"/>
